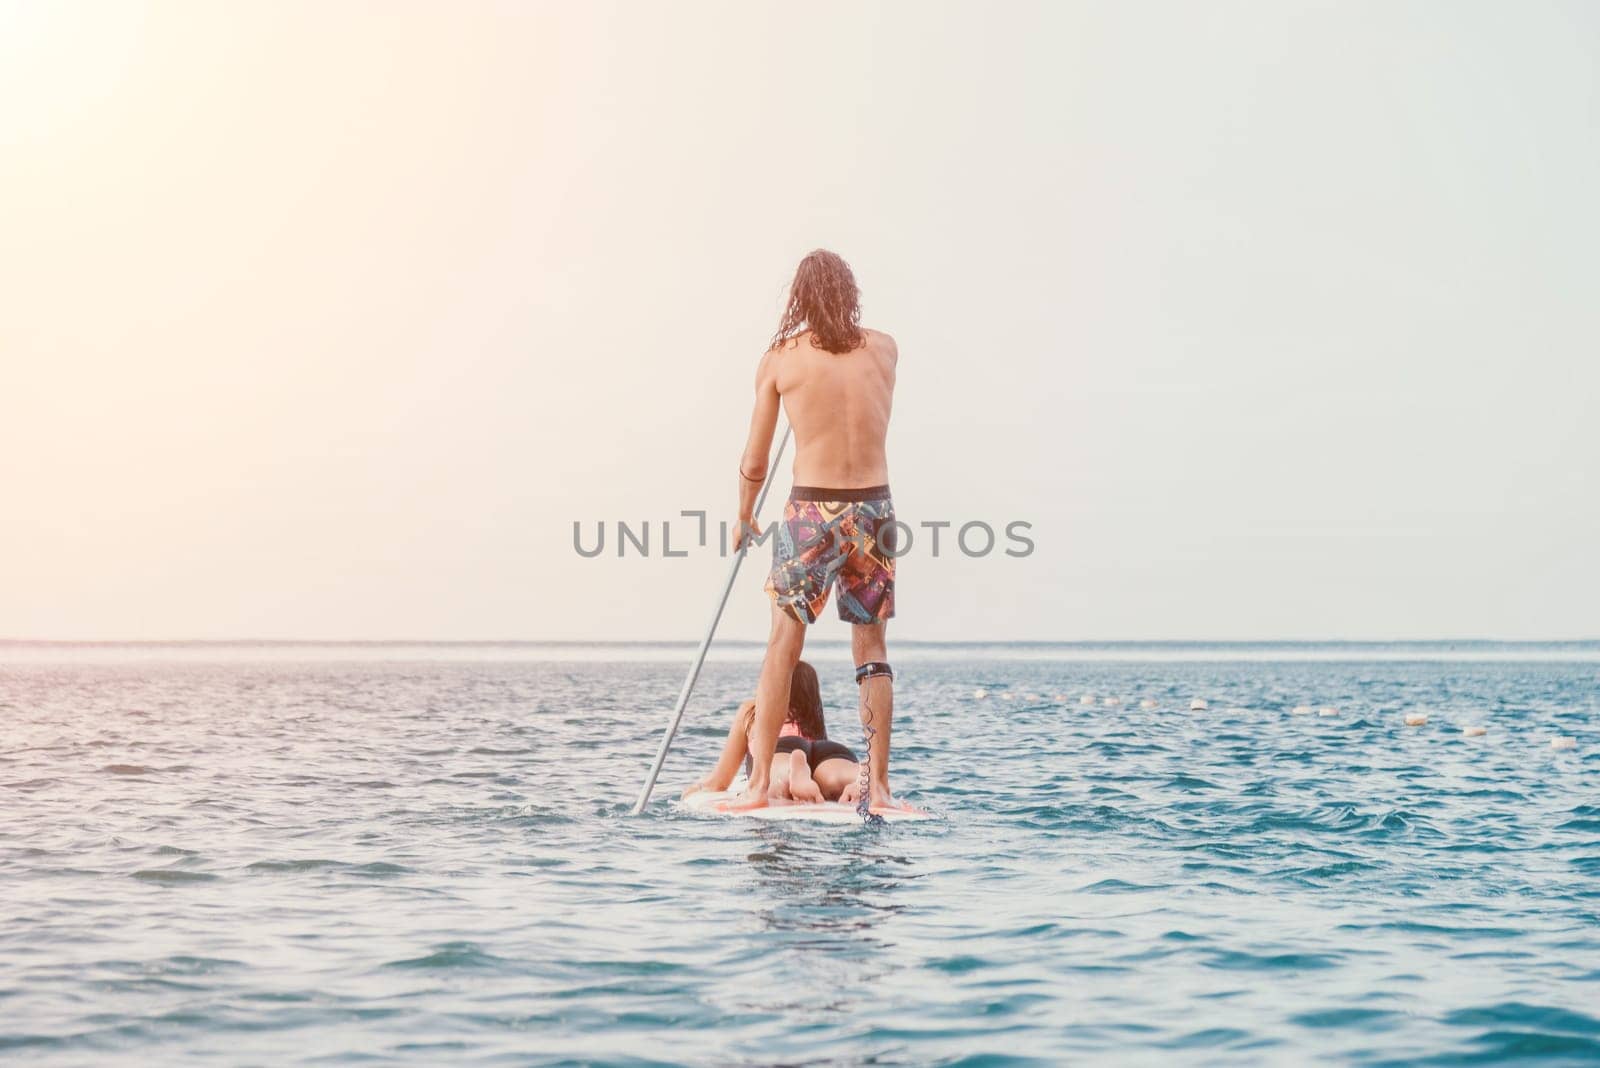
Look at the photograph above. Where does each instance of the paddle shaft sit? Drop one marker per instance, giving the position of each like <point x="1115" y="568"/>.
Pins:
<point x="705" y="643"/>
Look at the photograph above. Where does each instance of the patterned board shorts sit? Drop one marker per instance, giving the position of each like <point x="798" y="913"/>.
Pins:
<point x="833" y="536"/>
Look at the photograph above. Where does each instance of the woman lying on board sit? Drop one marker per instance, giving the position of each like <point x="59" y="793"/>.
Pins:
<point x="807" y="766"/>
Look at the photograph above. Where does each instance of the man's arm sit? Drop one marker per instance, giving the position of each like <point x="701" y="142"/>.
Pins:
<point x="758" y="447"/>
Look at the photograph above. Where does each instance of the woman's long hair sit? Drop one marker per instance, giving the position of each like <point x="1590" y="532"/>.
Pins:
<point x="823" y="298"/>
<point x="805" y="707"/>
<point x="805" y="702"/>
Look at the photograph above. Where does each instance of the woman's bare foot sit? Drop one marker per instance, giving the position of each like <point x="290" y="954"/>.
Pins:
<point x="802" y="787"/>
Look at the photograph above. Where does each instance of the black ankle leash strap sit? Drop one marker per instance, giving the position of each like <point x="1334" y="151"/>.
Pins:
<point x="872" y="669"/>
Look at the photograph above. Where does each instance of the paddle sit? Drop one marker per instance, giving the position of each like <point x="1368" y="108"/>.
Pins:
<point x="705" y="643"/>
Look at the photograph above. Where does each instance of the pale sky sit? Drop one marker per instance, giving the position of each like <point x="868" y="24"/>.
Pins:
<point x="327" y="320"/>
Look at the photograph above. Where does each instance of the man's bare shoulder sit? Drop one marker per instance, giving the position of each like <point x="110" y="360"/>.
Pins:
<point x="788" y="344"/>
<point x="882" y="342"/>
<point x="767" y="369"/>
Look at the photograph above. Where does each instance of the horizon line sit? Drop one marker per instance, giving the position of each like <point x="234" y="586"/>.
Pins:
<point x="757" y="643"/>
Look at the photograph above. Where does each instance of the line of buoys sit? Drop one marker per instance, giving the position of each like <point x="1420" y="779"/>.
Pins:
<point x="1200" y="704"/>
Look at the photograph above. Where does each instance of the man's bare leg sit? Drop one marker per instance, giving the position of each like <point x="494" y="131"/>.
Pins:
<point x="785" y="643"/>
<point x="868" y="644"/>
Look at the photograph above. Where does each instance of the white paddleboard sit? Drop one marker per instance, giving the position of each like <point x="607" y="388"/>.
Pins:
<point x="705" y="802"/>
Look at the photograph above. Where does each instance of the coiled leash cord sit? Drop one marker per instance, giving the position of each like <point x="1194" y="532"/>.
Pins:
<point x="867" y="671"/>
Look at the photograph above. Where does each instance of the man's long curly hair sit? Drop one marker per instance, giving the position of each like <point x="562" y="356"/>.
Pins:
<point x="823" y="298"/>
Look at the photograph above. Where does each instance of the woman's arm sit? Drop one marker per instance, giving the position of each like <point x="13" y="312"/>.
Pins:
<point x="733" y="752"/>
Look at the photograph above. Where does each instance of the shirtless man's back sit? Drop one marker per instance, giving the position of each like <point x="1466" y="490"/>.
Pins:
<point x="838" y="405"/>
<point x="836" y="381"/>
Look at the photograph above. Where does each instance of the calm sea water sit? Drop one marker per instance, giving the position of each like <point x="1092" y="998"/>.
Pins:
<point x="244" y="856"/>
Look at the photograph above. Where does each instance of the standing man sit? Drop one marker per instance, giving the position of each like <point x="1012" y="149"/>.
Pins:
<point x="835" y="379"/>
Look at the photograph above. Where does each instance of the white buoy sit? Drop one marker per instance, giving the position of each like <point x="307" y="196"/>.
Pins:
<point x="1086" y="699"/>
<point x="1327" y="710"/>
<point x="979" y="694"/>
<point x="1149" y="702"/>
<point x="1061" y="697"/>
<point x="1564" y="742"/>
<point x="1301" y="710"/>
<point x="1474" y="731"/>
<point x="1030" y="696"/>
<point x="1111" y="702"/>
<point x="1198" y="705"/>
<point x="1416" y="719"/>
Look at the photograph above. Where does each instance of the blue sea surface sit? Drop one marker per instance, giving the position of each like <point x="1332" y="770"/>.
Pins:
<point x="422" y="855"/>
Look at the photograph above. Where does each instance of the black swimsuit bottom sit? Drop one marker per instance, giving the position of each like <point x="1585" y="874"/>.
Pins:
<point x="816" y="752"/>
